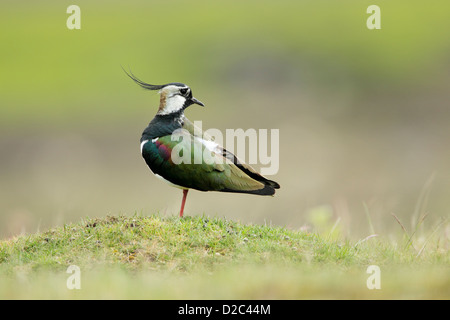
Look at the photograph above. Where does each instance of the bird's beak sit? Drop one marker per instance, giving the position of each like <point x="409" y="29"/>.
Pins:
<point x="197" y="102"/>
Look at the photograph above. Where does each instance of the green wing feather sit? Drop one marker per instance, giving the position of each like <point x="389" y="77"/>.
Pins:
<point x="215" y="173"/>
<point x="247" y="169"/>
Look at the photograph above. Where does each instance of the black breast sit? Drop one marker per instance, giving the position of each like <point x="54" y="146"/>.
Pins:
<point x="162" y="125"/>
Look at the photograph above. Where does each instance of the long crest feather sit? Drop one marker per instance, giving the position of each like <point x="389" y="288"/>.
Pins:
<point x="143" y="84"/>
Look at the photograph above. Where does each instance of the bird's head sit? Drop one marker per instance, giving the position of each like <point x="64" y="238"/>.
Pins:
<point x="175" y="96"/>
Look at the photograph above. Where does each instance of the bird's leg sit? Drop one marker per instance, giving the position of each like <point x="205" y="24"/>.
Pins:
<point x="185" y="192"/>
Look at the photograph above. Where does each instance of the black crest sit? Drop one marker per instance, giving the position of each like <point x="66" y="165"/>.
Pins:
<point x="151" y="86"/>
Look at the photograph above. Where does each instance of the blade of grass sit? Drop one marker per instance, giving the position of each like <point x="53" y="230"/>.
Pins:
<point x="365" y="239"/>
<point x="417" y="227"/>
<point x="422" y="201"/>
<point x="403" y="228"/>
<point x="429" y="237"/>
<point x="366" y="210"/>
<point x="334" y="226"/>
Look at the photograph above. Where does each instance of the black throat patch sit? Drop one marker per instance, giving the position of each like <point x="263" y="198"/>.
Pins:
<point x="163" y="125"/>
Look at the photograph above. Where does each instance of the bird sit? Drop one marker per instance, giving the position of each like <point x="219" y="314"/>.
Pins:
<point x="223" y="173"/>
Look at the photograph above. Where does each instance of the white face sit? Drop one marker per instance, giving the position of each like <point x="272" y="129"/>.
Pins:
<point x="172" y="99"/>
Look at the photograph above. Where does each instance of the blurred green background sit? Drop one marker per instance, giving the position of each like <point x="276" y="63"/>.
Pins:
<point x="363" y="114"/>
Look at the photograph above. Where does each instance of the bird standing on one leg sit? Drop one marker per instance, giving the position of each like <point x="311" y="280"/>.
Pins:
<point x="225" y="173"/>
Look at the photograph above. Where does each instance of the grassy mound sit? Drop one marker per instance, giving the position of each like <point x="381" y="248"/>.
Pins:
<point x="207" y="258"/>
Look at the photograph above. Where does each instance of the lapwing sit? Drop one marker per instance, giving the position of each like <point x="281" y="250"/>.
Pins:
<point x="225" y="173"/>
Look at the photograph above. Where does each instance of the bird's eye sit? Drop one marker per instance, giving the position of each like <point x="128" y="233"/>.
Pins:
<point x="183" y="91"/>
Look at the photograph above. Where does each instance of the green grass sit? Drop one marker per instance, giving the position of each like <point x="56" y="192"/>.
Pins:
<point x="212" y="258"/>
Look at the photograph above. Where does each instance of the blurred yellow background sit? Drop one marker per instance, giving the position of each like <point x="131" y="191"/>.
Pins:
<point x="363" y="114"/>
